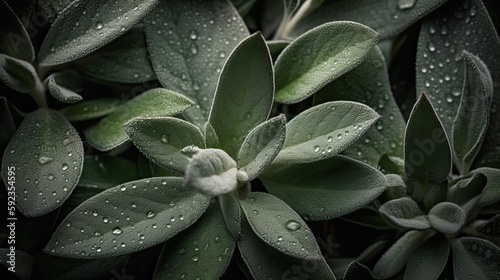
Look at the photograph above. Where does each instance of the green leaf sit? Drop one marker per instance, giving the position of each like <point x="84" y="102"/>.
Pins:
<point x="265" y="262"/>
<point x="15" y="40"/>
<point x="389" y="18"/>
<point x="429" y="260"/>
<point x="394" y="259"/>
<point x="17" y="74"/>
<point x="279" y="226"/>
<point x="427" y="151"/>
<point x="7" y="125"/>
<point x="405" y="213"/>
<point x="211" y="138"/>
<point x="23" y="263"/>
<point x="62" y="86"/>
<point x="465" y="190"/>
<point x="261" y="146"/>
<point x="244" y="95"/>
<point x="231" y="212"/>
<point x="276" y="47"/>
<point x="46" y="158"/>
<point x="243" y="6"/>
<point x="155" y="209"/>
<point x="161" y="139"/>
<point x="475" y="258"/>
<point x="188" y="51"/>
<point x="109" y="132"/>
<point x="368" y="83"/>
<point x="204" y="249"/>
<point x="125" y="60"/>
<point x="103" y="172"/>
<point x="324" y="130"/>
<point x="391" y="165"/>
<point x="457" y="26"/>
<point x="326" y="189"/>
<point x="489" y="194"/>
<point x="489" y="229"/>
<point x="320" y="56"/>
<point x="92" y="109"/>
<point x="447" y="217"/>
<point x="357" y="271"/>
<point x="472" y="120"/>
<point x="85" y="26"/>
<point x="396" y="188"/>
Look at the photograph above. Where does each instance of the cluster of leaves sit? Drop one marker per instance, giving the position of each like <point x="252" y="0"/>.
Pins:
<point x="165" y="132"/>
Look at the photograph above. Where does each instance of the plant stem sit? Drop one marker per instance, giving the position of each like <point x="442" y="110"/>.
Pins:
<point x="38" y="93"/>
<point x="286" y="25"/>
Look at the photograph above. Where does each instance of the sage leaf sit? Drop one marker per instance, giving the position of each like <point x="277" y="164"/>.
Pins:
<point x="61" y="87"/>
<point x="150" y="219"/>
<point x="15" y="40"/>
<point x="261" y="146"/>
<point x="161" y="140"/>
<point x="447" y="217"/>
<point x="125" y="60"/>
<point x="368" y="83"/>
<point x="357" y="271"/>
<point x="326" y="189"/>
<point x="395" y="259"/>
<point x="17" y="74"/>
<point x="205" y="249"/>
<point x="211" y="138"/>
<point x="405" y="213"/>
<point x="489" y="195"/>
<point x="231" y="212"/>
<point x="188" y="51"/>
<point x="391" y="165"/>
<point x="475" y="258"/>
<point x="489" y="229"/>
<point x="320" y="56"/>
<point x="429" y="260"/>
<point x="265" y="262"/>
<point x="46" y="155"/>
<point x="103" y="172"/>
<point x="472" y="120"/>
<point x="109" y="132"/>
<point x="212" y="172"/>
<point x="85" y="26"/>
<point x="388" y="18"/>
<point x="465" y="190"/>
<point x="91" y="109"/>
<point x="276" y="47"/>
<point x="324" y="130"/>
<point x="243" y="6"/>
<point x="244" y="96"/>
<point x="279" y="226"/>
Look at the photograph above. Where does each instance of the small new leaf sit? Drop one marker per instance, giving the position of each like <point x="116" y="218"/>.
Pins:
<point x="406" y="213"/>
<point x="447" y="217"/>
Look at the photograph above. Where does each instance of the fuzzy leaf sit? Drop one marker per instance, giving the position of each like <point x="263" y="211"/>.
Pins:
<point x="15" y="41"/>
<point x="161" y="140"/>
<point x="91" y="109"/>
<point x="87" y="25"/>
<point x="489" y="194"/>
<point x="490" y="229"/>
<point x="357" y="271"/>
<point x="326" y="189"/>
<point x="204" y="249"/>
<point x="320" y="56"/>
<point x="276" y="47"/>
<point x="261" y="146"/>
<point x="324" y="130"/>
<point x="211" y="138"/>
<point x="103" y="172"/>
<point x="472" y="120"/>
<point x="109" y="132"/>
<point x="231" y="212"/>
<point x="47" y="155"/>
<point x="429" y="260"/>
<point x="188" y="51"/>
<point x="17" y="74"/>
<point x="244" y="95"/>
<point x="475" y="258"/>
<point x="405" y="213"/>
<point x="61" y="87"/>
<point x="149" y="219"/>
<point x="465" y="190"/>
<point x="447" y="217"/>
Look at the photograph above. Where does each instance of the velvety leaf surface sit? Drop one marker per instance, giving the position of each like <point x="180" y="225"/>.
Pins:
<point x="203" y="250"/>
<point x="368" y="83"/>
<point x="103" y="172"/>
<point x="388" y="18"/>
<point x="244" y="95"/>
<point x="188" y="50"/>
<point x="109" y="132"/>
<point x="447" y="217"/>
<point x="489" y="194"/>
<point x="405" y="212"/>
<point x="47" y="155"/>
<point x="61" y="85"/>
<point x="429" y="260"/>
<point x="155" y="209"/>
<point x="457" y="26"/>
<point x="357" y="271"/>
<point x="326" y="189"/>
<point x="475" y="258"/>
<point x="161" y="139"/>
<point x="232" y="214"/>
<point x="261" y="146"/>
<point x="324" y="130"/>
<point x="17" y="74"/>
<point x="15" y="40"/>
<point x="211" y="138"/>
<point x="465" y="190"/>
<point x="489" y="229"/>
<point x="320" y="56"/>
<point x="91" y="109"/>
<point x="87" y="25"/>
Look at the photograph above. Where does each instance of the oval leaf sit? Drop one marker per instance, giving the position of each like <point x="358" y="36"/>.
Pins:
<point x="47" y="156"/>
<point x="475" y="258"/>
<point x="87" y="25"/>
<point x="324" y="130"/>
<point x="489" y="194"/>
<point x="429" y="260"/>
<point x="244" y="95"/>
<point x="92" y="109"/>
<point x="188" y="50"/>
<point x="405" y="212"/>
<point x="231" y="212"/>
<point x="15" y="40"/>
<point x="155" y="209"/>
<point x="261" y="146"/>
<point x="61" y="87"/>
<point x="326" y="189"/>
<point x="320" y="56"/>
<point x="17" y="74"/>
<point x="279" y="226"/>
<point x="109" y="132"/>
<point x="162" y="139"/>
<point x="447" y="217"/>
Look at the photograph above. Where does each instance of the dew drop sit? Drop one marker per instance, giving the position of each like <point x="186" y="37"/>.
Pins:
<point x="292" y="225"/>
<point x="51" y="177"/>
<point x="431" y="46"/>
<point x="194" y="49"/>
<point x="165" y="139"/>
<point x="44" y="160"/>
<point x="406" y="4"/>
<point x="195" y="258"/>
<point x="117" y="231"/>
<point x="330" y="139"/>
<point x="64" y="167"/>
<point x="316" y="149"/>
<point x="105" y="220"/>
<point x="99" y="26"/>
<point x="150" y="214"/>
<point x="193" y="35"/>
<point x="280" y="238"/>
<point x="255" y="212"/>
